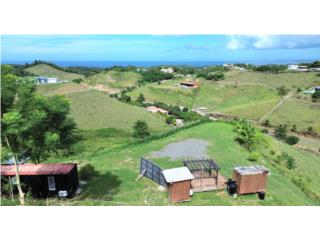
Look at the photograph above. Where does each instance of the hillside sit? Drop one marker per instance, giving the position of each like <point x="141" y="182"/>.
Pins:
<point x="113" y="80"/>
<point x="117" y="185"/>
<point x="254" y="97"/>
<point x="48" y="71"/>
<point x="94" y="110"/>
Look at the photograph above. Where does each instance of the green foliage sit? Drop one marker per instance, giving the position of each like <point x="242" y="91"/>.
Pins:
<point x="154" y="75"/>
<point x="282" y="91"/>
<point x="125" y="98"/>
<point x="216" y="76"/>
<point x="246" y="134"/>
<point x="281" y="132"/>
<point x="316" y="96"/>
<point x="286" y="160"/>
<point x="254" y="156"/>
<point x="294" y="128"/>
<point x="77" y="80"/>
<point x="273" y="68"/>
<point x="267" y="123"/>
<point x="141" y="129"/>
<point x="170" y="120"/>
<point x="8" y="88"/>
<point x="141" y="98"/>
<point x="292" y="140"/>
<point x="36" y="126"/>
<point x="87" y="172"/>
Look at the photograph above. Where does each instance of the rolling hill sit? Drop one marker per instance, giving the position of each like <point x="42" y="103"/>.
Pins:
<point x="113" y="80"/>
<point x="48" y="71"/>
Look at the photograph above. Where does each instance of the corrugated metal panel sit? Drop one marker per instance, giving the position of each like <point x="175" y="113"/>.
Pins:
<point x="29" y="169"/>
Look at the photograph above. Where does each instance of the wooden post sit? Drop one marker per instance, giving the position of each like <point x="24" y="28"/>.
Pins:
<point x="11" y="190"/>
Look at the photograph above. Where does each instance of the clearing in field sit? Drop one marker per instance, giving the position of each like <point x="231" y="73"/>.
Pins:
<point x="93" y="110"/>
<point x="61" y="88"/>
<point x="112" y="80"/>
<point x="48" y="71"/>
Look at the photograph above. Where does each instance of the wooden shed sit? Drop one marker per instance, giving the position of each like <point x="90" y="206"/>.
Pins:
<point x="251" y="179"/>
<point x="178" y="183"/>
<point x="45" y="179"/>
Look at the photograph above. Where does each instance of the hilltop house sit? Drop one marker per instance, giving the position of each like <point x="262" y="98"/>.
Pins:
<point x="293" y="67"/>
<point x="155" y="109"/>
<point x="167" y="70"/>
<point x="46" y="80"/>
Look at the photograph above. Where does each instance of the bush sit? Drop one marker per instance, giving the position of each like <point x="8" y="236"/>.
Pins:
<point x="287" y="160"/>
<point x="170" y="120"/>
<point x="292" y="140"/>
<point x="282" y="91"/>
<point x="254" y="156"/>
<point x="316" y="96"/>
<point x="78" y="80"/>
<point x="246" y="134"/>
<point x="141" y="129"/>
<point x="87" y="172"/>
<point x="267" y="123"/>
<point x="281" y="132"/>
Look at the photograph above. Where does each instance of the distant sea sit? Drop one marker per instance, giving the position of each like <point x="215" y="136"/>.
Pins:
<point x="105" y="64"/>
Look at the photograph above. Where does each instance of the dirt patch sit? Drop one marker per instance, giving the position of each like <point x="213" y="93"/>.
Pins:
<point x="190" y="148"/>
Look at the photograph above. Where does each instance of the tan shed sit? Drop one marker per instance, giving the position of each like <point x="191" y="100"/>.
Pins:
<point x="251" y="179"/>
<point x="179" y="183"/>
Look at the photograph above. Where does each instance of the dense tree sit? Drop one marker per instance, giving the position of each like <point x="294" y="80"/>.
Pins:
<point x="272" y="68"/>
<point x="141" y="129"/>
<point x="8" y="88"/>
<point x="170" y="120"/>
<point x="34" y="126"/>
<point x="246" y="134"/>
<point x="154" y="75"/>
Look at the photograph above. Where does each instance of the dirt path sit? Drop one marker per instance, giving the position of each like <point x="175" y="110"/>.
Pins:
<point x="275" y="107"/>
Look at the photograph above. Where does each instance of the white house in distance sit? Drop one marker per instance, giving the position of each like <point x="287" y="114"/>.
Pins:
<point x="155" y="109"/>
<point x="167" y="70"/>
<point x="293" y="67"/>
<point x="46" y="80"/>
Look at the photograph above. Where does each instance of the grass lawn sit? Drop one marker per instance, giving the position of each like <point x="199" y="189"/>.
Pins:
<point x="60" y="88"/>
<point x="94" y="110"/>
<point x="118" y="168"/>
<point x="48" y="71"/>
<point x="303" y="113"/>
<point x="114" y="79"/>
<point x="292" y="81"/>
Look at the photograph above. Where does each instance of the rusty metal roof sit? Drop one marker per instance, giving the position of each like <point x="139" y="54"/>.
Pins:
<point x="29" y="169"/>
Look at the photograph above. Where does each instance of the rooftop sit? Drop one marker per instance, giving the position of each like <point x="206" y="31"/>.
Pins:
<point x="251" y="170"/>
<point x="177" y="174"/>
<point x="29" y="169"/>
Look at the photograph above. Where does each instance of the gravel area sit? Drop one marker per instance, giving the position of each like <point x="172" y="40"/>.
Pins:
<point x="190" y="148"/>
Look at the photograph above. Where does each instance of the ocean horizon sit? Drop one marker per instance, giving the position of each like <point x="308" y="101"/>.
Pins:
<point x="106" y="64"/>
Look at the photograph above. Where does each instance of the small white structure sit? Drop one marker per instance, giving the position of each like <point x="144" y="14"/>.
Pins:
<point x="177" y="174"/>
<point x="52" y="80"/>
<point x="303" y="68"/>
<point x="155" y="109"/>
<point x="293" y="67"/>
<point x="167" y="70"/>
<point x="179" y="122"/>
<point x="46" y="80"/>
<point x="312" y="90"/>
<point x="228" y="66"/>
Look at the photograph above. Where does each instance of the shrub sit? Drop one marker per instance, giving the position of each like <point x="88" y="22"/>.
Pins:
<point x="141" y="129"/>
<point x="316" y="96"/>
<point x="267" y="123"/>
<point x="281" y="132"/>
<point x="170" y="120"/>
<point x="282" y="91"/>
<point x="78" y="80"/>
<point x="254" y="156"/>
<point x="246" y="134"/>
<point x="87" y="172"/>
<point x="292" y="140"/>
<point x="294" y="128"/>
<point x="141" y="98"/>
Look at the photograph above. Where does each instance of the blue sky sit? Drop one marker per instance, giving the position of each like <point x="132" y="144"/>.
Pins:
<point x="226" y="48"/>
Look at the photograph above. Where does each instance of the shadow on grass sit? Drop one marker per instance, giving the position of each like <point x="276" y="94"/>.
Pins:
<point x="102" y="187"/>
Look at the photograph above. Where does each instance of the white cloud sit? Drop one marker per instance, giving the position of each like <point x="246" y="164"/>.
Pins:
<point x="273" y="42"/>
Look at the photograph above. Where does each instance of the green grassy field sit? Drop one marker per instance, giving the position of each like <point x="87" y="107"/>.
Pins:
<point x="118" y="168"/>
<point x="303" y="113"/>
<point x="60" y="88"/>
<point x="114" y="79"/>
<point x="48" y="71"/>
<point x="94" y="110"/>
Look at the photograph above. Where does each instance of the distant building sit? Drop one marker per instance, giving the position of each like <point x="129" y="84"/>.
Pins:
<point x="167" y="70"/>
<point x="155" y="109"/>
<point x="303" y="68"/>
<point x="293" y="67"/>
<point x="46" y="80"/>
<point x="312" y="90"/>
<point x="190" y="84"/>
<point x="228" y="66"/>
